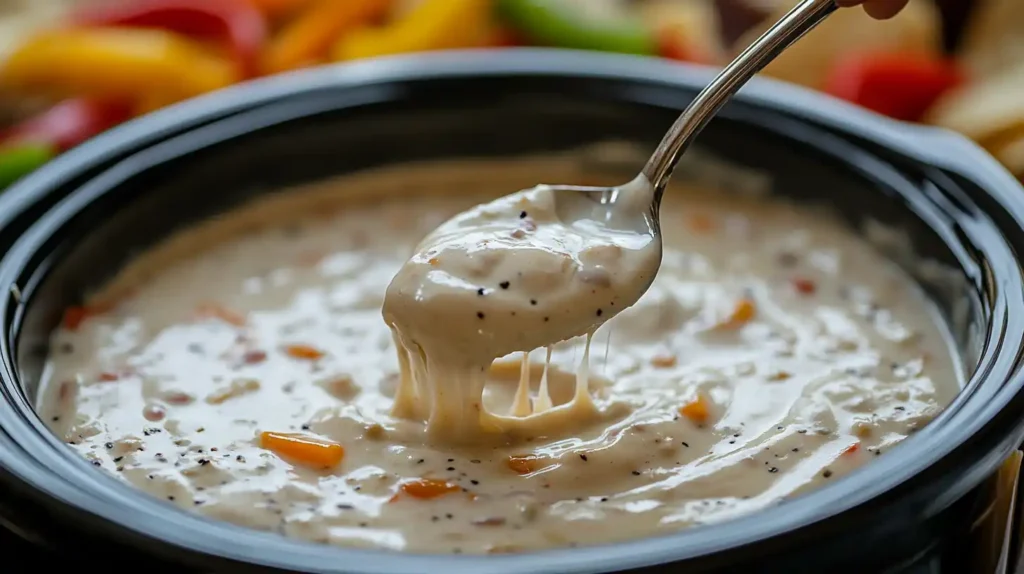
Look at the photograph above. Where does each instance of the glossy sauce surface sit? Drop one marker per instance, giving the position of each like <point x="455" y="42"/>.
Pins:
<point x="524" y="271"/>
<point x="775" y="352"/>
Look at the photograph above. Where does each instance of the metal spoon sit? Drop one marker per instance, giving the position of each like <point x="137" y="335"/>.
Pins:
<point x="649" y="186"/>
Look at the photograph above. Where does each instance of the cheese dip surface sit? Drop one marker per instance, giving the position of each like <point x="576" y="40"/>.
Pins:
<point x="243" y="370"/>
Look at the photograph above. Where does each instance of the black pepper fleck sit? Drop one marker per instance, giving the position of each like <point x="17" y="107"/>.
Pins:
<point x="584" y="457"/>
<point x="522" y="215"/>
<point x="480" y="291"/>
<point x="827" y="473"/>
<point x="504" y="284"/>
<point x="599" y="312"/>
<point x="773" y="470"/>
<point x="636" y="473"/>
<point x="480" y="314"/>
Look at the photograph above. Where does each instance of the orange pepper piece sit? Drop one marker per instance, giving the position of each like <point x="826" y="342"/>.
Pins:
<point x="305" y="352"/>
<point x="214" y="311"/>
<point x="427" y="488"/>
<point x="309" y="36"/>
<point x="852" y="448"/>
<point x="310" y="451"/>
<point x="523" y="464"/>
<point x="75" y="316"/>
<point x="697" y="410"/>
<point x="742" y="314"/>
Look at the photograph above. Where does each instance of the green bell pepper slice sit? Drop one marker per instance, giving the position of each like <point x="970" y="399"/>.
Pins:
<point x="18" y="160"/>
<point x="577" y="24"/>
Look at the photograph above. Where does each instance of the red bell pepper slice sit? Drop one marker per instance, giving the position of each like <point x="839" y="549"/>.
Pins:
<point x="67" y="124"/>
<point x="236" y="23"/>
<point x="901" y="86"/>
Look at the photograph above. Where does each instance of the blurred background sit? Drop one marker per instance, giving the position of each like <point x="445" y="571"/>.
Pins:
<point x="70" y="69"/>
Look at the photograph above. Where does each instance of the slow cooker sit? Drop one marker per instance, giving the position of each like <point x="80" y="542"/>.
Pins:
<point x="75" y="222"/>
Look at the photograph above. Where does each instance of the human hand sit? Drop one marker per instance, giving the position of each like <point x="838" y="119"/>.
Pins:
<point x="879" y="9"/>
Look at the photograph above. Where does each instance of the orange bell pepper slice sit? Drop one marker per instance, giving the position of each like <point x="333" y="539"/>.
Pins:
<point x="304" y="449"/>
<point x="118" y="63"/>
<point x="308" y="38"/>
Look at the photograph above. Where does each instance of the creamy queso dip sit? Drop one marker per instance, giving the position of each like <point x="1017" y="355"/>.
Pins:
<point x="243" y="370"/>
<point x="524" y="271"/>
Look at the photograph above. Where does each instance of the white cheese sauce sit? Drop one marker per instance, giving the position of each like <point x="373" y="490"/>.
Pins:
<point x="774" y="353"/>
<point x="524" y="271"/>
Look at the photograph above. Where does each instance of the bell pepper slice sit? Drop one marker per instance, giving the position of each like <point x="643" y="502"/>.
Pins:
<point x="68" y="123"/>
<point x="308" y="38"/>
<point x="901" y="86"/>
<point x="17" y="161"/>
<point x="122" y="64"/>
<point x="577" y="24"/>
<point x="236" y="24"/>
<point x="431" y="25"/>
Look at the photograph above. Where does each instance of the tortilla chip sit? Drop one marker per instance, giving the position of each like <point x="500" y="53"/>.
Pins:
<point x="917" y="29"/>
<point x="987" y="111"/>
<point x="994" y="37"/>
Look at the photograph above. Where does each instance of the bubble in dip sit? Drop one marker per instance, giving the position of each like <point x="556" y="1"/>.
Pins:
<point x="522" y="272"/>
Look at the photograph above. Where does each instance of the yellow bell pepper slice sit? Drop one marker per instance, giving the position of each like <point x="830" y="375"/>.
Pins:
<point x="119" y="63"/>
<point x="308" y="37"/>
<point x="432" y="25"/>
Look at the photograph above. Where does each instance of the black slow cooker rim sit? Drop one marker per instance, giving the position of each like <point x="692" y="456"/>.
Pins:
<point x="220" y="539"/>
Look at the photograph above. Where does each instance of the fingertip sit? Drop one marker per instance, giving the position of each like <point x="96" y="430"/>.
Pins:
<point x="884" y="9"/>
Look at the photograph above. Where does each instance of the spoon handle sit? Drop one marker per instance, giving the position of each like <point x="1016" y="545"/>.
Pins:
<point x="800" y="20"/>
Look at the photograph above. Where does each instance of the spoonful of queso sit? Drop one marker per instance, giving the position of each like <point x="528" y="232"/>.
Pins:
<point x="540" y="266"/>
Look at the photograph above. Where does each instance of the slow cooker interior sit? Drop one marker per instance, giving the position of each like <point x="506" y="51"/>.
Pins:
<point x="156" y="200"/>
<point x="155" y="191"/>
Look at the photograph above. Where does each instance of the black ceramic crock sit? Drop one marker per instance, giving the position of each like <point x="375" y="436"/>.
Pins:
<point x="73" y="223"/>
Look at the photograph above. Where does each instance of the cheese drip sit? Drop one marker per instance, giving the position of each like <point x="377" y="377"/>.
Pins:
<point x="519" y="273"/>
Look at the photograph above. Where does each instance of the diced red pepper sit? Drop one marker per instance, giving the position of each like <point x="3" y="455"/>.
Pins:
<point x="239" y="25"/>
<point x="68" y="124"/>
<point x="901" y="86"/>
